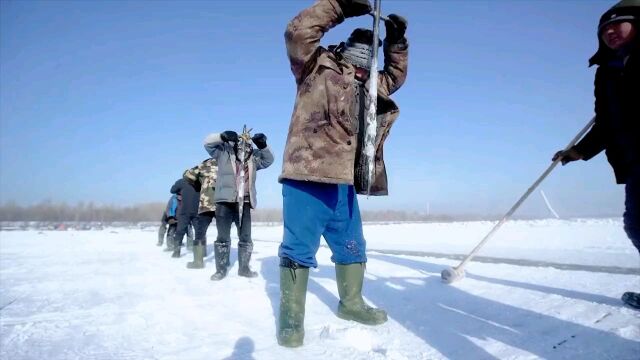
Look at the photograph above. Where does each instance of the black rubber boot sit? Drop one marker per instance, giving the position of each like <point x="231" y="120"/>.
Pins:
<point x="352" y="306"/>
<point x="293" y="295"/>
<point x="169" y="245"/>
<point x="161" y="231"/>
<point x="221" y="252"/>
<point x="177" y="245"/>
<point x="171" y="234"/>
<point x="244" y="256"/>
<point x="190" y="238"/>
<point x="632" y="299"/>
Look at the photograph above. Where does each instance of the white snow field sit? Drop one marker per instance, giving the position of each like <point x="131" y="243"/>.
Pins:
<point x="541" y="290"/>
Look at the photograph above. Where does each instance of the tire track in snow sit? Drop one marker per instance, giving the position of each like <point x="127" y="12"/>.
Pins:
<point x="9" y="303"/>
<point x="497" y="260"/>
<point x="518" y="262"/>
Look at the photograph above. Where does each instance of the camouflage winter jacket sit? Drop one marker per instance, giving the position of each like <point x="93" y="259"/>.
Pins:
<point x="204" y="175"/>
<point x="322" y="139"/>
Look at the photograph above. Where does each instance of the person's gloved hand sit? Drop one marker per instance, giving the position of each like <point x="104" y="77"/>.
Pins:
<point x="353" y="8"/>
<point x="197" y="185"/>
<point x="396" y="27"/>
<point x="229" y="136"/>
<point x="171" y="220"/>
<point x="260" y="140"/>
<point x="567" y="156"/>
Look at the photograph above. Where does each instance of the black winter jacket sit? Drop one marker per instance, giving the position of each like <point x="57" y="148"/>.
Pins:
<point x="190" y="197"/>
<point x="617" y="108"/>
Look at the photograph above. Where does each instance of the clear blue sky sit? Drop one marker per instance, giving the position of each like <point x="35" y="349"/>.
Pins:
<point x="109" y="101"/>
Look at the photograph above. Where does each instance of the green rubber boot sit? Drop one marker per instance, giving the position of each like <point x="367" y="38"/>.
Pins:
<point x="352" y="306"/>
<point x="293" y="294"/>
<point x="198" y="258"/>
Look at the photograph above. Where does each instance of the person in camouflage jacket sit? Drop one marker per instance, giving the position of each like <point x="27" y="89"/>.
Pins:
<point x="322" y="167"/>
<point x="323" y="134"/>
<point x="203" y="178"/>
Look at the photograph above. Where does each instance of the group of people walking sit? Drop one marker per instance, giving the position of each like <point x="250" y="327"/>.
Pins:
<point x="210" y="191"/>
<point x="322" y="170"/>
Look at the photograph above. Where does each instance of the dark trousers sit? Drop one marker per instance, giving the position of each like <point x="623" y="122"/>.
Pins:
<point x="632" y="208"/>
<point x="202" y="224"/>
<point x="226" y="214"/>
<point x="184" y="221"/>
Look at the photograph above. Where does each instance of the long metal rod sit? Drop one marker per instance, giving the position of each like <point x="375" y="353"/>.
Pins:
<point x="242" y="143"/>
<point x="371" y="128"/>
<point x="382" y="17"/>
<point x="525" y="196"/>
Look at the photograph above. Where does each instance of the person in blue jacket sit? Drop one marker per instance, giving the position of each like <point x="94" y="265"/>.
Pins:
<point x="168" y="221"/>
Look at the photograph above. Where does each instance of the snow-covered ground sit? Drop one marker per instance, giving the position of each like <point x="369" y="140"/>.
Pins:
<point x="113" y="294"/>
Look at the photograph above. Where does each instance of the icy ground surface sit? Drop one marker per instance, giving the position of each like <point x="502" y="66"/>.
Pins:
<point x="113" y="294"/>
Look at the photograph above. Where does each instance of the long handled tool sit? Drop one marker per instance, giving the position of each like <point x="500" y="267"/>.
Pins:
<point x="382" y="17"/>
<point x="243" y="142"/>
<point x="371" y="125"/>
<point x="450" y="275"/>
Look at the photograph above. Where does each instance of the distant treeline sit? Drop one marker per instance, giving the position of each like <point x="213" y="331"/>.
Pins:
<point x="84" y="212"/>
<point x="89" y="212"/>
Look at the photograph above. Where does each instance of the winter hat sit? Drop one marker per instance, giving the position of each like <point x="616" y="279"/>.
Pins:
<point x="358" y="48"/>
<point x="625" y="10"/>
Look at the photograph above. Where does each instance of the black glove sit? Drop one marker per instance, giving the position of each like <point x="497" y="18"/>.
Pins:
<point x="229" y="136"/>
<point x="353" y="8"/>
<point x="396" y="27"/>
<point x="260" y="140"/>
<point x="567" y="156"/>
<point x="197" y="185"/>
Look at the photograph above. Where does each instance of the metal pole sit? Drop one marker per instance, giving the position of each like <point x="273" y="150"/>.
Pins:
<point x="524" y="197"/>
<point x="245" y="138"/>
<point x="382" y="17"/>
<point x="372" y="113"/>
